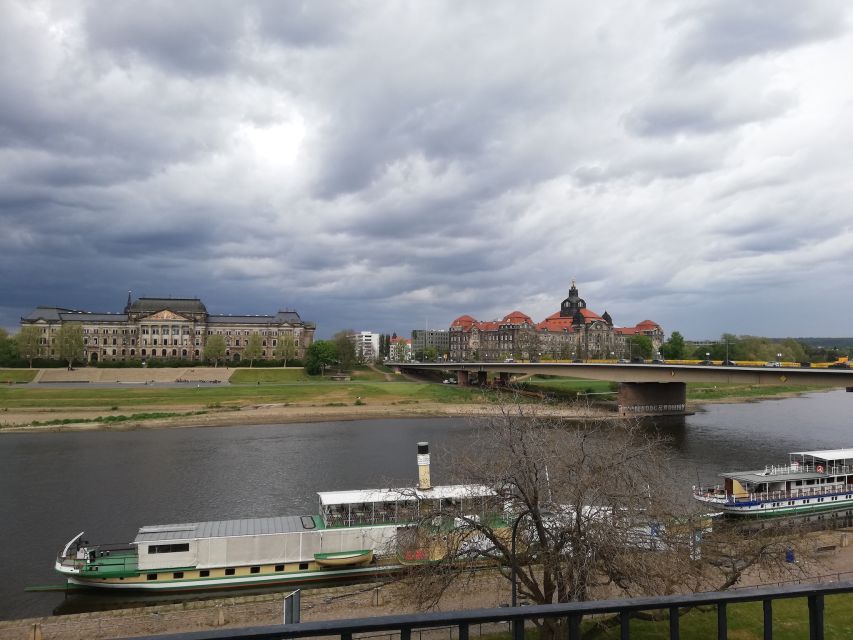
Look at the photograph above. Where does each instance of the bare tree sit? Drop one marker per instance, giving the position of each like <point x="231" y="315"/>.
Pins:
<point x="285" y="349"/>
<point x="253" y="349"/>
<point x="587" y="509"/>
<point x="29" y="343"/>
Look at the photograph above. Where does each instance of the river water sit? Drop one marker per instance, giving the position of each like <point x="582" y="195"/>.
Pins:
<point x="54" y="485"/>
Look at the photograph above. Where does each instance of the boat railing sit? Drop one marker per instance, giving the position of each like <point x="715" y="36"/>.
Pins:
<point x="720" y="495"/>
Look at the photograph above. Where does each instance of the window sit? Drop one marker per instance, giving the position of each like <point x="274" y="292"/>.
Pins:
<point x="178" y="575"/>
<point x="168" y="548"/>
<point x="254" y="569"/>
<point x="303" y="566"/>
<point x="151" y="576"/>
<point x="204" y="573"/>
<point x="229" y="571"/>
<point x="279" y="567"/>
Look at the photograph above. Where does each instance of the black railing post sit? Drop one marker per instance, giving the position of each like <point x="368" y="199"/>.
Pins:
<point x="674" y="631"/>
<point x="406" y="633"/>
<point x="463" y="631"/>
<point x="816" y="617"/>
<point x="722" y="622"/>
<point x="574" y="627"/>
<point x="767" y="605"/>
<point x="625" y="625"/>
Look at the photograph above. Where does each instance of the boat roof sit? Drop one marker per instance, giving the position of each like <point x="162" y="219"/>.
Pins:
<point x="827" y="454"/>
<point x="367" y="496"/>
<point x="762" y="475"/>
<point x="225" y="528"/>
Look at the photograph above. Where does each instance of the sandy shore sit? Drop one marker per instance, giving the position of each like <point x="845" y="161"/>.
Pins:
<point x="21" y="419"/>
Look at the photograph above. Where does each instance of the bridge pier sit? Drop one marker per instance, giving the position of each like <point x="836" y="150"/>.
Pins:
<point x="658" y="398"/>
<point x="503" y="378"/>
<point x="462" y="378"/>
<point x="482" y="378"/>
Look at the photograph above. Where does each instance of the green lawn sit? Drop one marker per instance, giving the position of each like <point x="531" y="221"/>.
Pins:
<point x="269" y="376"/>
<point x="745" y="622"/>
<point x="699" y="391"/>
<point x="17" y="375"/>
<point x="318" y="393"/>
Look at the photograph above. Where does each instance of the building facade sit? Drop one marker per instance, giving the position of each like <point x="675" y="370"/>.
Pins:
<point x="573" y="332"/>
<point x="400" y="349"/>
<point x="438" y="339"/>
<point x="168" y="328"/>
<point x="366" y="345"/>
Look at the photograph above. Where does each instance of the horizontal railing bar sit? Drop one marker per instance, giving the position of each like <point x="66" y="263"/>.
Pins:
<point x="505" y="614"/>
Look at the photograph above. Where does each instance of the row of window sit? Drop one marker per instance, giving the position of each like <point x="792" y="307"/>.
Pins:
<point x="229" y="571"/>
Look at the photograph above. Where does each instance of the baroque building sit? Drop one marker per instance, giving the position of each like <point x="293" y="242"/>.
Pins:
<point x="173" y="328"/>
<point x="573" y="332"/>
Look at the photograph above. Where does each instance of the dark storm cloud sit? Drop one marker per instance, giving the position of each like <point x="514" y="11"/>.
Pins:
<point x="384" y="165"/>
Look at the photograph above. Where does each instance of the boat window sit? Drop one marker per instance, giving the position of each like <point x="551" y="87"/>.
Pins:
<point x="151" y="576"/>
<point x="204" y="573"/>
<point x="279" y="567"/>
<point x="229" y="571"/>
<point x="255" y="570"/>
<point x="303" y="566"/>
<point x="168" y="548"/>
<point x="178" y="575"/>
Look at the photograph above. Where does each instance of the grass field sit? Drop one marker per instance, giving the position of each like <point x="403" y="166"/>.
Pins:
<point x="318" y="393"/>
<point x="745" y="622"/>
<point x="17" y="375"/>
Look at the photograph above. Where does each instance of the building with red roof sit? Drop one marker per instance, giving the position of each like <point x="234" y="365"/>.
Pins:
<point x="572" y="332"/>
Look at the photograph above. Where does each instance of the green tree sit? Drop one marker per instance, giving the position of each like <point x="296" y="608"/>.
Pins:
<point x="345" y="347"/>
<point x="285" y="349"/>
<point x="319" y="356"/>
<point x="640" y="346"/>
<point x="674" y="347"/>
<point x="214" y="348"/>
<point x="69" y="342"/>
<point x="8" y="348"/>
<point x="253" y="349"/>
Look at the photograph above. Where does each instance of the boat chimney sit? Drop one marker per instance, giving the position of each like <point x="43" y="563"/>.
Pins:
<point x="423" y="466"/>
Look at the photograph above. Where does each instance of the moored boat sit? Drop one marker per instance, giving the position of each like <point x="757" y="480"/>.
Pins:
<point x="361" y="533"/>
<point x="810" y="481"/>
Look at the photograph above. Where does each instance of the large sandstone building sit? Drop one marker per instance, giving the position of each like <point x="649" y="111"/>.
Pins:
<point x="174" y="328"/>
<point x="572" y="332"/>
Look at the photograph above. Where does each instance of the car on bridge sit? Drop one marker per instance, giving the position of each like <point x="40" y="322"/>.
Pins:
<point x="728" y="363"/>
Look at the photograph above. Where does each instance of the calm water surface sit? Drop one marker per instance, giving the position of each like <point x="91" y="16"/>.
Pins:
<point x="109" y="484"/>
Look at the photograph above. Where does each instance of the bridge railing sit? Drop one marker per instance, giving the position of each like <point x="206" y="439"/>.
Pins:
<point x="462" y="622"/>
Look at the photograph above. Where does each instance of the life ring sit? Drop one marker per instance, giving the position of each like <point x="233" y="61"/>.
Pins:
<point x="819" y="468"/>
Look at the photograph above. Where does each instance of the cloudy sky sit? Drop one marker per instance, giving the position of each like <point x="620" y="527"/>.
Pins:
<point x="389" y="165"/>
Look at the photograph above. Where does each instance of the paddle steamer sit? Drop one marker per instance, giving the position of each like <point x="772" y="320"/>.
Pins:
<point x="356" y="533"/>
<point x="810" y="481"/>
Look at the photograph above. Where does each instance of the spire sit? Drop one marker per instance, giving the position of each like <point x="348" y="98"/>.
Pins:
<point x="127" y="306"/>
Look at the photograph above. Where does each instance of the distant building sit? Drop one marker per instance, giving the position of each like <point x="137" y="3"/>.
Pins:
<point x="176" y="328"/>
<point x="572" y="332"/>
<point x="438" y="339"/>
<point x="400" y="349"/>
<point x="366" y="345"/>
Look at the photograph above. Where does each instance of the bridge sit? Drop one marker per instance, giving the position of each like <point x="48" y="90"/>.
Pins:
<point x="658" y="389"/>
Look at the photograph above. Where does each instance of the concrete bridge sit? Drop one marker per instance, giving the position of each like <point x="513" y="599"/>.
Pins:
<point x="644" y="388"/>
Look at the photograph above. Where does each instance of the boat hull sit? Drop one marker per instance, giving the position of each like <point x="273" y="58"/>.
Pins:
<point x="236" y="582"/>
<point x="769" y="508"/>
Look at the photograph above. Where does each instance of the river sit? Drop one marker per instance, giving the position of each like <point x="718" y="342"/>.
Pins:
<point x="53" y="485"/>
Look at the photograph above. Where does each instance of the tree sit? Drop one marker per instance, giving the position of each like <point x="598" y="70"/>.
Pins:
<point x="345" y="347"/>
<point x="674" y="347"/>
<point x="594" y="509"/>
<point x="320" y="355"/>
<point x="8" y="348"/>
<point x="69" y="342"/>
<point x="253" y="349"/>
<point x="285" y="349"/>
<point x="640" y="346"/>
<point x="214" y="348"/>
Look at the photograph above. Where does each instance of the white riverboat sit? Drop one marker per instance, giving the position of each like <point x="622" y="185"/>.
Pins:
<point x="810" y="481"/>
<point x="356" y="534"/>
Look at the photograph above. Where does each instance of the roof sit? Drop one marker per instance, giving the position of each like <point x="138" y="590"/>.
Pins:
<point x="827" y="454"/>
<point x="45" y="313"/>
<point x="367" y="496"/>
<point x="761" y="475"/>
<point x="224" y="528"/>
<point x="463" y="321"/>
<point x="517" y="317"/>
<point x="178" y="305"/>
<point x="88" y="316"/>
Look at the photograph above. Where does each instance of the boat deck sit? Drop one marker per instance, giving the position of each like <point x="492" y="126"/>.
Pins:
<point x="114" y="565"/>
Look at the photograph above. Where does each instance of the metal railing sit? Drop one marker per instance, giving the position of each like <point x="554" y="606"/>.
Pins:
<point x="572" y="613"/>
